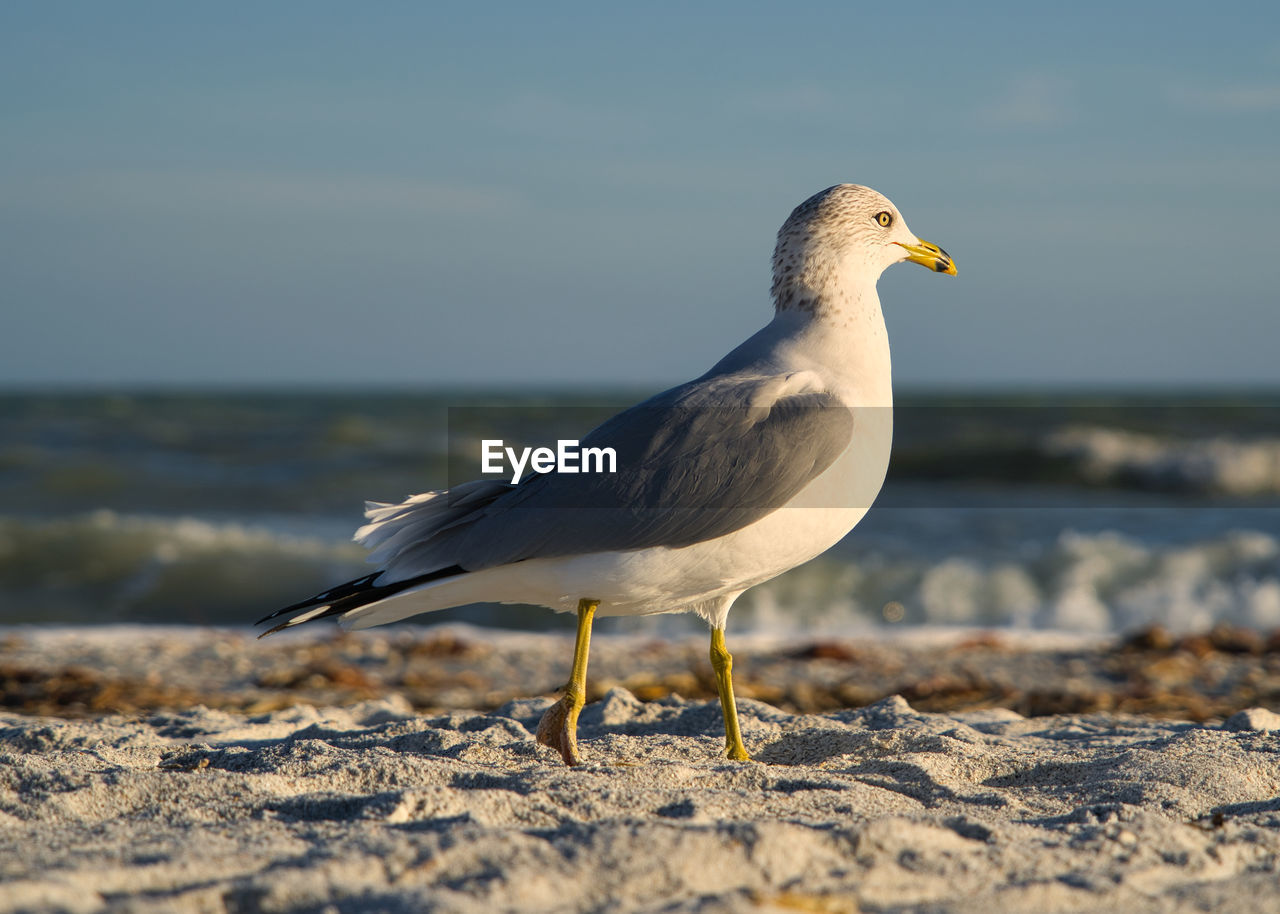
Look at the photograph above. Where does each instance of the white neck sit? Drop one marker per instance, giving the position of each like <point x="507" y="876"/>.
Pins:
<point x="843" y="337"/>
<point x="839" y="325"/>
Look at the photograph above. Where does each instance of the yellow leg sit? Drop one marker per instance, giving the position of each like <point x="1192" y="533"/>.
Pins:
<point x="722" y="663"/>
<point x="559" y="725"/>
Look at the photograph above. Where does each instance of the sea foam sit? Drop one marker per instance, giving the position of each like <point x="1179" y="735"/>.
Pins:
<point x="1215" y="465"/>
<point x="104" y="567"/>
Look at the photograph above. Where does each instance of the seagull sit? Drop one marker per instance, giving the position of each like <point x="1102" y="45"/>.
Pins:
<point x="722" y="483"/>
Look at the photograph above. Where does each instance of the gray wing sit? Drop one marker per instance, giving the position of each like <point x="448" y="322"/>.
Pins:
<point x="693" y="464"/>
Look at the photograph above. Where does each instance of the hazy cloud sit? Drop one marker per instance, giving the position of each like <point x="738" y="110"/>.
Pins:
<point x="789" y="100"/>
<point x="1032" y="100"/>
<point x="546" y="116"/>
<point x="1240" y="99"/>
<point x="257" y="192"/>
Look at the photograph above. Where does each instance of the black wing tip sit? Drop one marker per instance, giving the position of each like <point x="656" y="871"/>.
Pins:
<point x="268" y="618"/>
<point x="275" y="628"/>
<point x="332" y="595"/>
<point x="314" y="601"/>
<point x="342" y="599"/>
<point x="321" y="611"/>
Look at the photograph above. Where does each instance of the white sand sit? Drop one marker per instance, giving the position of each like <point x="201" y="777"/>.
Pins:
<point x="372" y="808"/>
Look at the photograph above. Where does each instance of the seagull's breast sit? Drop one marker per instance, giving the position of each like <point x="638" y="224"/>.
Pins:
<point x="857" y="369"/>
<point x="825" y="510"/>
<point x="810" y="523"/>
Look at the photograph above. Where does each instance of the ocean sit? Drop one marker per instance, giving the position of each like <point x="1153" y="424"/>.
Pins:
<point x="1097" y="512"/>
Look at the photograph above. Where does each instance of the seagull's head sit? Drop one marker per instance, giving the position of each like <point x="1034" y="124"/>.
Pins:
<point x="841" y="239"/>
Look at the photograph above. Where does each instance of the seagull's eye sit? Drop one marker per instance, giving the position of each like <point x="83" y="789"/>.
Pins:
<point x="884" y="219"/>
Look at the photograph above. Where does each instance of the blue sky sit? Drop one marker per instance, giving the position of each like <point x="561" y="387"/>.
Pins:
<point x="421" y="194"/>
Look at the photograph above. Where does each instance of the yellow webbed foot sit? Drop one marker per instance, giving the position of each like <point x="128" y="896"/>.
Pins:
<point x="559" y="730"/>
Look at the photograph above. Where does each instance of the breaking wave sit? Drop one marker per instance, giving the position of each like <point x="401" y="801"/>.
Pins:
<point x="1096" y="582"/>
<point x="1216" y="465"/>
<point x="105" y="567"/>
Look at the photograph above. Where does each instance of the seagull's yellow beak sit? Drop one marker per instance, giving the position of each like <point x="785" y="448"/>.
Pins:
<point x="929" y="255"/>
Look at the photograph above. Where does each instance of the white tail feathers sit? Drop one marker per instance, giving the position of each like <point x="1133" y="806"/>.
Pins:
<point x="406" y="538"/>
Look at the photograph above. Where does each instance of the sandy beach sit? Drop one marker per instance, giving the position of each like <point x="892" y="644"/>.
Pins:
<point x="199" y="770"/>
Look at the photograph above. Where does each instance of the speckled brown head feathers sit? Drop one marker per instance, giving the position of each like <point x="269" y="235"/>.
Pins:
<point x="832" y="244"/>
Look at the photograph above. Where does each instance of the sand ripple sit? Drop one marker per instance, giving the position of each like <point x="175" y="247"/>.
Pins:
<point x="375" y="808"/>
